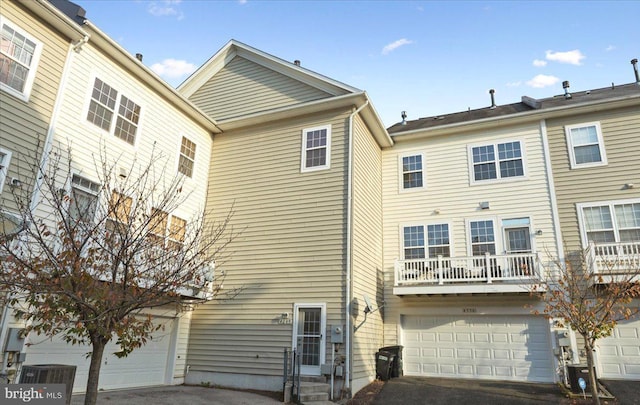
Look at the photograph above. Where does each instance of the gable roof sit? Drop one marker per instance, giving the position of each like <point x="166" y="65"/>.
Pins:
<point x="327" y="93"/>
<point x="529" y="108"/>
<point x="235" y="48"/>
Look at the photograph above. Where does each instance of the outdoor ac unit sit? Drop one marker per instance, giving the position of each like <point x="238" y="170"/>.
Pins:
<point x="50" y="374"/>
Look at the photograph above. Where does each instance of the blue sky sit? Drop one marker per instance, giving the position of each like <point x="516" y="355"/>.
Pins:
<point x="425" y="57"/>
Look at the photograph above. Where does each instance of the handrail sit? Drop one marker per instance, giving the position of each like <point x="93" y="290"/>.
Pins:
<point x="468" y="269"/>
<point x="607" y="258"/>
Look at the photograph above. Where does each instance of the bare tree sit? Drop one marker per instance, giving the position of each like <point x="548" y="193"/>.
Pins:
<point x="96" y="254"/>
<point x="591" y="292"/>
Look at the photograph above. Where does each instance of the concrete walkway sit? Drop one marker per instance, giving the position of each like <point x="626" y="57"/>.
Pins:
<point x="178" y="394"/>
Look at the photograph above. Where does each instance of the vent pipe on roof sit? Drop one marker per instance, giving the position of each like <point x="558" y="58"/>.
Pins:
<point x="634" y="62"/>
<point x="565" y="86"/>
<point x="404" y="117"/>
<point x="139" y="56"/>
<point x="296" y="62"/>
<point x="493" y="99"/>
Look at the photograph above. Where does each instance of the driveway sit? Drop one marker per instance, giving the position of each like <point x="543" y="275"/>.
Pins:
<point x="178" y="394"/>
<point x="434" y="391"/>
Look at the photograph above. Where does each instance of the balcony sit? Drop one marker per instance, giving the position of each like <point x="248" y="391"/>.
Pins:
<point x="467" y="274"/>
<point x="612" y="262"/>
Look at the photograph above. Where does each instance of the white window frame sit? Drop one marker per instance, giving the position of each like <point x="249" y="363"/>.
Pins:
<point x="401" y="172"/>
<point x="116" y="114"/>
<point x="496" y="162"/>
<point x="180" y="155"/>
<point x="496" y="234"/>
<point x="87" y="190"/>
<point x="425" y="226"/>
<point x="303" y="158"/>
<point x="506" y="227"/>
<point x="571" y="146"/>
<point x="33" y="67"/>
<point x="611" y="204"/>
<point x="4" y="167"/>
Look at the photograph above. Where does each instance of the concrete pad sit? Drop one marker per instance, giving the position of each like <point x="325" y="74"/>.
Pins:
<point x="178" y="394"/>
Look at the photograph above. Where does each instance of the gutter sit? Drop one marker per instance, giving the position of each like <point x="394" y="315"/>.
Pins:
<point x="348" y="280"/>
<point x="549" y="113"/>
<point x="149" y="78"/>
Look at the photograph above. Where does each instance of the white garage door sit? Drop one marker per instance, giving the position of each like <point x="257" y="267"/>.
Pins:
<point x="486" y="347"/>
<point x="143" y="367"/>
<point x="619" y="354"/>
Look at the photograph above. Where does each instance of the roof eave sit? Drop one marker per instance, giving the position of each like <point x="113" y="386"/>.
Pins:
<point x="120" y="55"/>
<point x="233" y="48"/>
<point x="517" y="118"/>
<point x="49" y="13"/>
<point x="370" y="116"/>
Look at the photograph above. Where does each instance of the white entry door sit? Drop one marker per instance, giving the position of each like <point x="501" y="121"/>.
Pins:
<point x="309" y="324"/>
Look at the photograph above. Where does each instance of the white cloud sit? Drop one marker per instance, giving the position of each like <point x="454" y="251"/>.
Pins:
<point x="571" y="57"/>
<point x="610" y="48"/>
<point x="395" y="45"/>
<point x="172" y="68"/>
<point x="541" y="81"/>
<point x="165" y="8"/>
<point x="539" y="63"/>
<point x="242" y="1"/>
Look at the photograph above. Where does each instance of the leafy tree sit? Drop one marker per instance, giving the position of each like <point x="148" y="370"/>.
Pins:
<point x="95" y="255"/>
<point x="591" y="292"/>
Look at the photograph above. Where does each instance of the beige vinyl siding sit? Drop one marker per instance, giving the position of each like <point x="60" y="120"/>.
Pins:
<point x="621" y="135"/>
<point x="159" y="134"/>
<point x="243" y="87"/>
<point x="24" y="125"/>
<point x="291" y="248"/>
<point x="367" y="250"/>
<point x="447" y="189"/>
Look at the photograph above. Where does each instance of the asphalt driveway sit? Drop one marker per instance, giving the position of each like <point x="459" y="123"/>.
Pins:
<point x="434" y="391"/>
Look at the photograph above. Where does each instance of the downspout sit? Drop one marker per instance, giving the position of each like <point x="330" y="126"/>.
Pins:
<point x="348" y="281"/>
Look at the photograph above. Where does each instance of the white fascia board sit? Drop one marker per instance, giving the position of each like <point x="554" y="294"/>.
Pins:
<point x="234" y="48"/>
<point x="55" y="17"/>
<point x="528" y="116"/>
<point x="149" y="78"/>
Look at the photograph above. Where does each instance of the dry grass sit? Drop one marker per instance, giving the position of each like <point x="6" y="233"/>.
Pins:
<point x="368" y="394"/>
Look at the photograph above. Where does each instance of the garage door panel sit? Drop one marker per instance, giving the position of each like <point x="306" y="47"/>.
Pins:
<point x="145" y="366"/>
<point x="619" y="354"/>
<point x="508" y="348"/>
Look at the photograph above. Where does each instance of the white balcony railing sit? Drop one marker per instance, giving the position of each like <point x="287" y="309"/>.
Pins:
<point x="487" y="269"/>
<point x="614" y="258"/>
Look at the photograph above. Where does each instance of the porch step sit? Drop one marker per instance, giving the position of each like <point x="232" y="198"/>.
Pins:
<point x="315" y="393"/>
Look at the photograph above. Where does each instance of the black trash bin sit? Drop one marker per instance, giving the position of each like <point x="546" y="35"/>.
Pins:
<point x="384" y="361"/>
<point x="575" y="372"/>
<point x="396" y="366"/>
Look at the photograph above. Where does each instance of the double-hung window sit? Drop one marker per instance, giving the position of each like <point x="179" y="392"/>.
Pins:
<point x="122" y="122"/>
<point x="167" y="228"/>
<point x="412" y="171"/>
<point x="187" y="157"/>
<point x="5" y="159"/>
<point x="316" y="148"/>
<point x="84" y="199"/>
<point x="611" y="222"/>
<point x="435" y="243"/>
<point x="19" y="56"/>
<point x="497" y="161"/>
<point x="119" y="211"/>
<point x="585" y="144"/>
<point x="483" y="239"/>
